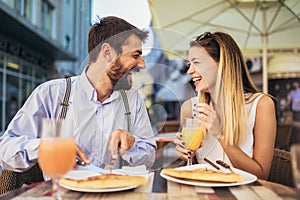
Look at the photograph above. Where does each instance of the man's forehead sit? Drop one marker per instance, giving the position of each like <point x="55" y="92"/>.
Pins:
<point x="132" y="44"/>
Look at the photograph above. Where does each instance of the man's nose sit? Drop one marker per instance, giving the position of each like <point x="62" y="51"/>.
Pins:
<point x="141" y="63"/>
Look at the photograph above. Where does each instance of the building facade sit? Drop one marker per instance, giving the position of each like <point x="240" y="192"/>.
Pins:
<point x="39" y="40"/>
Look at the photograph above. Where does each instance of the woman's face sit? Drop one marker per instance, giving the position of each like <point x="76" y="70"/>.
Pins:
<point x="203" y="69"/>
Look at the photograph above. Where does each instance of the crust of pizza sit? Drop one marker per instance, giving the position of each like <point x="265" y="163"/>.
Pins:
<point x="203" y="174"/>
<point x="104" y="181"/>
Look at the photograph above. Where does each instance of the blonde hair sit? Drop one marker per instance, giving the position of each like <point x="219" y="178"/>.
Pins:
<point x="233" y="82"/>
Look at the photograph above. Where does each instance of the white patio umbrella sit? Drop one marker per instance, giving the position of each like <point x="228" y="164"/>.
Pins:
<point x="253" y="24"/>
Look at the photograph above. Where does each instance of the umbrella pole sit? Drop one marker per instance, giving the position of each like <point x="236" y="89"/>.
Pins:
<point x="265" y="52"/>
<point x="265" y="62"/>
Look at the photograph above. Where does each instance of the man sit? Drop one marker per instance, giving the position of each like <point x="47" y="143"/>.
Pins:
<point x="96" y="109"/>
<point x="293" y="99"/>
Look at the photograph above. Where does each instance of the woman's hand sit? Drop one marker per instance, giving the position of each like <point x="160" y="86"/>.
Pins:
<point x="207" y="117"/>
<point x="181" y="151"/>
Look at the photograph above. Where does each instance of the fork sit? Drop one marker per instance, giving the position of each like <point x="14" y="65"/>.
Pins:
<point x="225" y="165"/>
<point x="110" y="167"/>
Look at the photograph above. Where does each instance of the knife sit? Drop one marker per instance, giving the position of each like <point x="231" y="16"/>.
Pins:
<point x="225" y="165"/>
<point x="82" y="165"/>
<point x="95" y="168"/>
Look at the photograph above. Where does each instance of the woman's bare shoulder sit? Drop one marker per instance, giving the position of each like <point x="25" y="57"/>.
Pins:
<point x="265" y="102"/>
<point x="186" y="109"/>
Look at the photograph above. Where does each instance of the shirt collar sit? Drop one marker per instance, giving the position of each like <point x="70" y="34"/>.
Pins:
<point x="91" y="92"/>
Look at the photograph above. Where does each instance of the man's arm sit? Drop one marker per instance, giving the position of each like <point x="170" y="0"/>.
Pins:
<point x="19" y="144"/>
<point x="143" y="150"/>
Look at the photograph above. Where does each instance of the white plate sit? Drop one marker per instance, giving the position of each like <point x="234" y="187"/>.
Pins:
<point x="248" y="178"/>
<point x="134" y="171"/>
<point x="82" y="174"/>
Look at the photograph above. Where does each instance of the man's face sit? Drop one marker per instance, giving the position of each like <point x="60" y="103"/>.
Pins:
<point x="129" y="62"/>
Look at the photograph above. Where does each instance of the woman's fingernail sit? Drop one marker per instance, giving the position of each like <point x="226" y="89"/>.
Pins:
<point x="189" y="152"/>
<point x="189" y="157"/>
<point x="194" y="104"/>
<point x="180" y="135"/>
<point x="194" y="115"/>
<point x="183" y="143"/>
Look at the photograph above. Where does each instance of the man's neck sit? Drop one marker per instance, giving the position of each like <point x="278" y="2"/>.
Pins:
<point x="100" y="81"/>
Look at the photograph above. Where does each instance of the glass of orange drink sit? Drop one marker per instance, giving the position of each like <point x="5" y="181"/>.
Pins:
<point x="57" y="151"/>
<point x="192" y="135"/>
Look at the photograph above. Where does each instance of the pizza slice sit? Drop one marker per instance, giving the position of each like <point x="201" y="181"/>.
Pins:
<point x="204" y="174"/>
<point x="104" y="181"/>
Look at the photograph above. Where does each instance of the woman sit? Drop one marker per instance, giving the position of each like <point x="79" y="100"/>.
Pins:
<point x="240" y="121"/>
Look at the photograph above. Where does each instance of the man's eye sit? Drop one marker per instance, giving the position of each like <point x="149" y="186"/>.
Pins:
<point x="136" y="56"/>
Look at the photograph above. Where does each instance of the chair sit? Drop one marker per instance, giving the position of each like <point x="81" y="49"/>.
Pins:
<point x="168" y="126"/>
<point x="283" y="136"/>
<point x="10" y="180"/>
<point x="281" y="169"/>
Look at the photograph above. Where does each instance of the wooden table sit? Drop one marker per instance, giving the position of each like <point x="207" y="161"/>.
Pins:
<point x="163" y="189"/>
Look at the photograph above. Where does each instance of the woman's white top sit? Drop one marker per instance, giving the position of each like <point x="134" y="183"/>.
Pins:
<point x="212" y="149"/>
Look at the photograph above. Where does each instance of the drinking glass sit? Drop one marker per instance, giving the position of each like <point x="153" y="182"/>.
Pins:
<point x="192" y="135"/>
<point x="57" y="151"/>
<point x="295" y="150"/>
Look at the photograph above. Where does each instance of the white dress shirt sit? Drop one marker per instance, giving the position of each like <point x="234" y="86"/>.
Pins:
<point x="91" y="122"/>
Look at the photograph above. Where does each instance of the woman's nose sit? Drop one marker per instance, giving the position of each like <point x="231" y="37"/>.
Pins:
<point x="190" y="70"/>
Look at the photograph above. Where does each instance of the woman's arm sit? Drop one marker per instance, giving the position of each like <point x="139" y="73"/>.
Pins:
<point x="264" y="139"/>
<point x="186" y="110"/>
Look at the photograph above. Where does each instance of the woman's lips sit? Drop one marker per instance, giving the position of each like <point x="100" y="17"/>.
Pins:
<point x="196" y="81"/>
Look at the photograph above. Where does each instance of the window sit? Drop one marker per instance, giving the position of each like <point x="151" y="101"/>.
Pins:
<point x="27" y="8"/>
<point x="2" y="114"/>
<point x="23" y="7"/>
<point x="47" y="17"/>
<point x="17" y="80"/>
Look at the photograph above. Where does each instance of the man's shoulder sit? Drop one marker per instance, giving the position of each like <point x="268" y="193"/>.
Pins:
<point x="133" y="93"/>
<point x="53" y="84"/>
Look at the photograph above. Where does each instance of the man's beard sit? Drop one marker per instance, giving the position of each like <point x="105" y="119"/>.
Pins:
<point x="124" y="83"/>
<point x="119" y="78"/>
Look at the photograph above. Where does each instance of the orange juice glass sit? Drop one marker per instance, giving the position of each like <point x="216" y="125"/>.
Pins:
<point x="57" y="150"/>
<point x="192" y="135"/>
<point x="57" y="156"/>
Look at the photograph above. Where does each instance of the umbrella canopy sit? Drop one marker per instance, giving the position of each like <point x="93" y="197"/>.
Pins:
<point x="254" y="24"/>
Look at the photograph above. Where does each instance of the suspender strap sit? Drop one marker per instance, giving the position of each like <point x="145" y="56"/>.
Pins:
<point x="127" y="110"/>
<point x="65" y="103"/>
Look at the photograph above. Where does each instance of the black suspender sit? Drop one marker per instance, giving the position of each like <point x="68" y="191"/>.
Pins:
<point x="127" y="110"/>
<point x="65" y="103"/>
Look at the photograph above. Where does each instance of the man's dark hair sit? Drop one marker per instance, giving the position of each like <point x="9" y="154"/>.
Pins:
<point x="112" y="30"/>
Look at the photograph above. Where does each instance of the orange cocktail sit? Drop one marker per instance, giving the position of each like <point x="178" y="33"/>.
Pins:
<point x="192" y="136"/>
<point x="57" y="156"/>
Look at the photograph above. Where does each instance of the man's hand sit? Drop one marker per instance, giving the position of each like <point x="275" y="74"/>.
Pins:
<point x="82" y="155"/>
<point x="120" y="139"/>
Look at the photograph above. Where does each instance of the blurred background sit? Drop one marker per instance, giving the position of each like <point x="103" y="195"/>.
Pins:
<point x="46" y="39"/>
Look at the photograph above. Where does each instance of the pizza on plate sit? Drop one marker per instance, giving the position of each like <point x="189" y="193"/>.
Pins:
<point x="204" y="174"/>
<point x="104" y="181"/>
